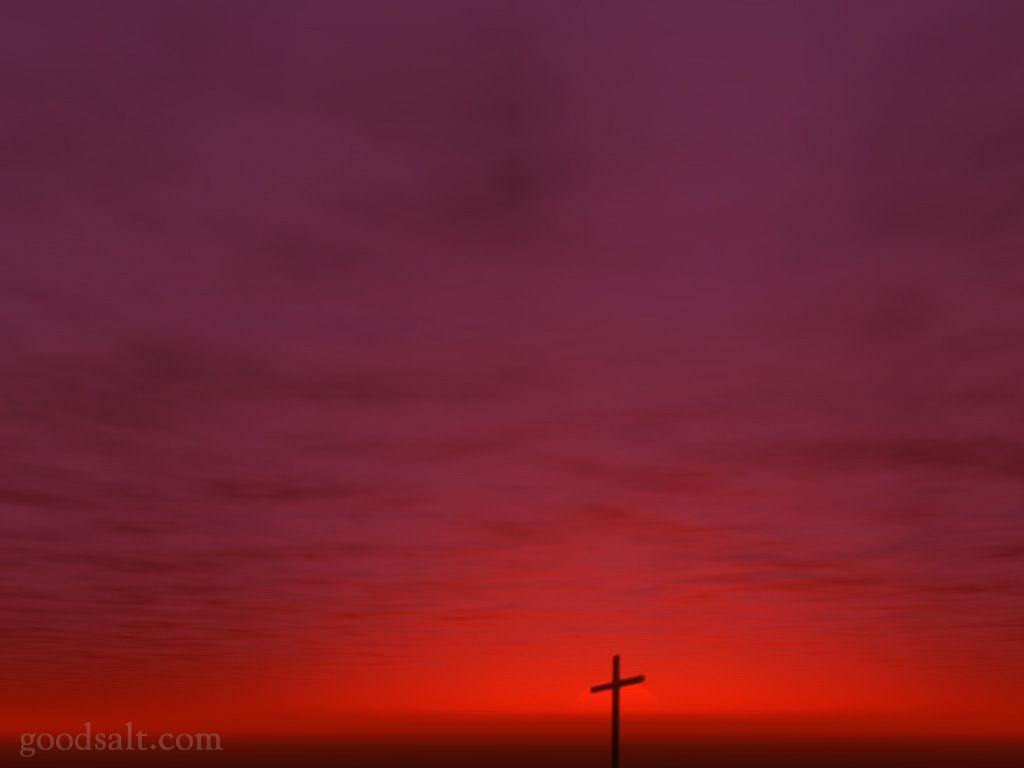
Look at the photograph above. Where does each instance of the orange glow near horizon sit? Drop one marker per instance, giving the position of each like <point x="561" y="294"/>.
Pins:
<point x="725" y="683"/>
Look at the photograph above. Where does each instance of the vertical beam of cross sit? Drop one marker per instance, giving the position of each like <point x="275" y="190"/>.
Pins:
<point x="614" y="686"/>
<point x="615" y="711"/>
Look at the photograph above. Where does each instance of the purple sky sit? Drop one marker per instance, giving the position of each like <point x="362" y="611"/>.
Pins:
<point x="416" y="332"/>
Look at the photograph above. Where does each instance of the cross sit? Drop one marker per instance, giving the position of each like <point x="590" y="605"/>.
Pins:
<point x="614" y="686"/>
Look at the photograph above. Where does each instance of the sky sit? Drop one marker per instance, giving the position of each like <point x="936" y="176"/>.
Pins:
<point x="365" y="362"/>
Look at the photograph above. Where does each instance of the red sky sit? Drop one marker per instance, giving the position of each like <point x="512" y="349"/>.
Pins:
<point x="350" y="350"/>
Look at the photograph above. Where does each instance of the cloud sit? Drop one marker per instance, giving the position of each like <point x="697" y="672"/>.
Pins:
<point x="414" y="335"/>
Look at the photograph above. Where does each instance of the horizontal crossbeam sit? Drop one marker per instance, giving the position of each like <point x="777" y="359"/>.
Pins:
<point x="617" y="684"/>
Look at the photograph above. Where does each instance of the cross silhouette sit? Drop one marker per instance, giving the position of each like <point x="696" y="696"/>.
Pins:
<point x="614" y="686"/>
